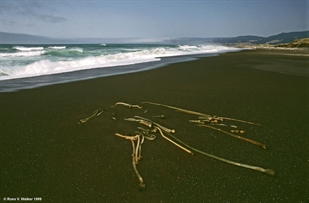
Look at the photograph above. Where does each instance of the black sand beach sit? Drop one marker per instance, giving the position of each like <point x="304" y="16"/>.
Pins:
<point x="46" y="154"/>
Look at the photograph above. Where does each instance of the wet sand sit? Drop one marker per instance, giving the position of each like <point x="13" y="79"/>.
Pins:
<point x="46" y="154"/>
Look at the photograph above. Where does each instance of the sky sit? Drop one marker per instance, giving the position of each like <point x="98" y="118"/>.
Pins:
<point x="153" y="18"/>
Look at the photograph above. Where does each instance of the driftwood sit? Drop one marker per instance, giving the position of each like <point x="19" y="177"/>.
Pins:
<point x="203" y="120"/>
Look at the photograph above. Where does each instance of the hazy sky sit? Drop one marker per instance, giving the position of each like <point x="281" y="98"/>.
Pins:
<point x="153" y="18"/>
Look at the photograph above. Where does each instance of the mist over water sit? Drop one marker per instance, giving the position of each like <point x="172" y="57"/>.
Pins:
<point x="25" y="62"/>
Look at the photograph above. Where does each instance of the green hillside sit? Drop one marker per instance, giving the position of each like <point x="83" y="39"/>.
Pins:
<point x="298" y="43"/>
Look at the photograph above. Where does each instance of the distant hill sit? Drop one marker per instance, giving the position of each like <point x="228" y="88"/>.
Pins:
<point x="250" y="39"/>
<point x="14" y="38"/>
<point x="283" y="38"/>
<point x="274" y="39"/>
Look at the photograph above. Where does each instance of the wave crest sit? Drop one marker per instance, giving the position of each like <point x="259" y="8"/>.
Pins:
<point x="23" y="54"/>
<point x="21" y="48"/>
<point x="57" y="47"/>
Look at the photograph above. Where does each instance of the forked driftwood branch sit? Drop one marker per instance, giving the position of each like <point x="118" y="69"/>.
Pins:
<point x="135" y="156"/>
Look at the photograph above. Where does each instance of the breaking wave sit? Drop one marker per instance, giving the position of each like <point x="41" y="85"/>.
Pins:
<point x="20" y="48"/>
<point x="57" y="47"/>
<point x="22" y="61"/>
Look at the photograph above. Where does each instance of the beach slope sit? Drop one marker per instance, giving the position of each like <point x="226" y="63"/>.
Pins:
<point x="47" y="154"/>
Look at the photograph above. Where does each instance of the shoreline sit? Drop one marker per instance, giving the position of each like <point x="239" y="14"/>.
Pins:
<point x="17" y="84"/>
<point x="47" y="154"/>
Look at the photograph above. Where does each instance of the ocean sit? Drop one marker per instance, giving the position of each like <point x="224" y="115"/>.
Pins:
<point x="30" y="66"/>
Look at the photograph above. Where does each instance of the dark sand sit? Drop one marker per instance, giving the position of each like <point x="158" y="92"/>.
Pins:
<point x="45" y="153"/>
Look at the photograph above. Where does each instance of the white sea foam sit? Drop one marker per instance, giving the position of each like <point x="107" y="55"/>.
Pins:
<point x="45" y="66"/>
<point x="187" y="47"/>
<point x="20" y="48"/>
<point x="22" y="54"/>
<point x="57" y="47"/>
